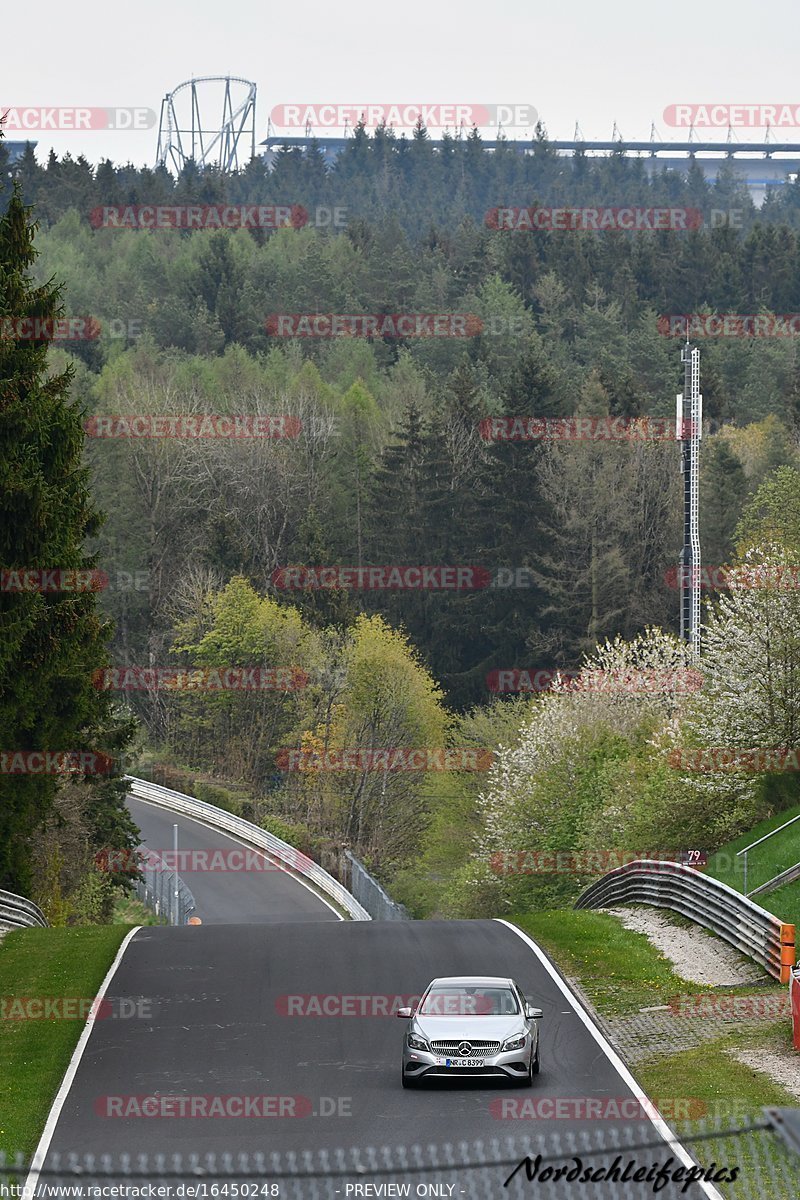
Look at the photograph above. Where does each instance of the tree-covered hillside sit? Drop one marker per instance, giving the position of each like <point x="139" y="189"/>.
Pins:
<point x="388" y="462"/>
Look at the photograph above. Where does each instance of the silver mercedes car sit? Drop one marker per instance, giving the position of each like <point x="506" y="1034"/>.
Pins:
<point x="471" y="1025"/>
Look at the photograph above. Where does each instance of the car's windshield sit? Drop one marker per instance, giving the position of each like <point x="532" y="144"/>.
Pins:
<point x="464" y="1000"/>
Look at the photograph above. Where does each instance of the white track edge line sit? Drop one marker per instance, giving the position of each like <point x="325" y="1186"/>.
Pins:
<point x="233" y="838"/>
<point x="658" y="1122"/>
<point x="72" y="1070"/>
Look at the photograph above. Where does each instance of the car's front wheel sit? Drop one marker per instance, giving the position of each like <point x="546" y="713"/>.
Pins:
<point x="407" y="1081"/>
<point x="533" y="1069"/>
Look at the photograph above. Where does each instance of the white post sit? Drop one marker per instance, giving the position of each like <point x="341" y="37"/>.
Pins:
<point x="175" y="848"/>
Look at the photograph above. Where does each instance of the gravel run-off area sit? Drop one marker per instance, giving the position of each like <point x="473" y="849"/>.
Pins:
<point x="696" y="955"/>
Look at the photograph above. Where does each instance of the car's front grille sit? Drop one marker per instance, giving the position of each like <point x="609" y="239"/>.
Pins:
<point x="478" y="1048"/>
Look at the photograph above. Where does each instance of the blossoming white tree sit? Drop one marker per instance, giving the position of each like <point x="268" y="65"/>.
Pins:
<point x="751" y="671"/>
<point x="622" y="691"/>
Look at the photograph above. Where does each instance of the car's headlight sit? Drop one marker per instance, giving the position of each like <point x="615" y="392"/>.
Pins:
<point x="514" y="1043"/>
<point x="417" y="1043"/>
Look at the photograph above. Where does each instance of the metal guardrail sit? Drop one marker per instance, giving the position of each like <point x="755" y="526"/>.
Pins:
<point x="787" y="876"/>
<point x="744" y="851"/>
<point x="292" y="860"/>
<point x="376" y="900"/>
<point x="17" y="913"/>
<point x="744" y="925"/>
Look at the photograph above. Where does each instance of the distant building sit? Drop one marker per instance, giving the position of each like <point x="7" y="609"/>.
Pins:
<point x="760" y="165"/>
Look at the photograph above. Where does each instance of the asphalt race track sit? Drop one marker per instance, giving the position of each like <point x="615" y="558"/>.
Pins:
<point x="218" y="1025"/>
<point x="251" y="897"/>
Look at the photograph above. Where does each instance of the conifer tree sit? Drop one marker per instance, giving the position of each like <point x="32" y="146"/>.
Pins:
<point x="50" y="641"/>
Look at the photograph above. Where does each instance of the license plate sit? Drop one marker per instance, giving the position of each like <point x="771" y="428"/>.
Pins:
<point x="460" y="1062"/>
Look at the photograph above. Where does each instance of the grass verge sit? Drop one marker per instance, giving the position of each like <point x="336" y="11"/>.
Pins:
<point x="730" y="1095"/>
<point x="764" y="862"/>
<point x="129" y="910"/>
<point x="619" y="970"/>
<point x="34" y="1054"/>
<point x="719" y="1086"/>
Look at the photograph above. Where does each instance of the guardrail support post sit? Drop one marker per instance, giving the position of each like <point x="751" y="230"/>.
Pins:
<point x="787" y="952"/>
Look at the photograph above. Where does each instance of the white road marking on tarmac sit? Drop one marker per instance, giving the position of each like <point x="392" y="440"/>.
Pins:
<point x="71" y="1072"/>
<point x="658" y="1122"/>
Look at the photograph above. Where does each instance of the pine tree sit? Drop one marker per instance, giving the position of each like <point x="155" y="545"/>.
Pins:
<point x="584" y="570"/>
<point x="723" y="491"/>
<point x="51" y="641"/>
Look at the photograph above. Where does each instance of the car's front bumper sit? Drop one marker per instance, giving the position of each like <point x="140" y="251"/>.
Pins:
<point x="509" y="1064"/>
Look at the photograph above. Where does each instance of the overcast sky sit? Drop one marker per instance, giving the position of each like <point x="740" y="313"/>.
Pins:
<point x="594" y="63"/>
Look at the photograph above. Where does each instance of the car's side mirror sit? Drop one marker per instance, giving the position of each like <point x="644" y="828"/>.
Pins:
<point x="406" y="1011"/>
<point x="534" y="1014"/>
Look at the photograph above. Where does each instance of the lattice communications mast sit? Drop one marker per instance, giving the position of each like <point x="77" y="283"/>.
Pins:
<point x="688" y="431"/>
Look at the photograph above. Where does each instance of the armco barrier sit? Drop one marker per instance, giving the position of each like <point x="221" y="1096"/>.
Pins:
<point x="16" y="912"/>
<point x="746" y="926"/>
<point x="252" y="835"/>
<point x="794" y="994"/>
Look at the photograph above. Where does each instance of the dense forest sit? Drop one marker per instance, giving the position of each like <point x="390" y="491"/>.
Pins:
<point x="574" y="541"/>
